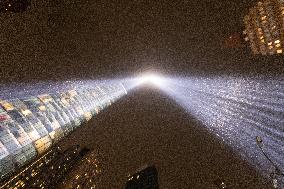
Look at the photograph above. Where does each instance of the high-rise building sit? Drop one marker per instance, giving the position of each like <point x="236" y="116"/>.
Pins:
<point x="264" y="27"/>
<point x="47" y="171"/>
<point x="29" y="127"/>
<point x="86" y="173"/>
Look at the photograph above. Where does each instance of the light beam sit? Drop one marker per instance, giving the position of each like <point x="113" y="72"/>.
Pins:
<point x="236" y="110"/>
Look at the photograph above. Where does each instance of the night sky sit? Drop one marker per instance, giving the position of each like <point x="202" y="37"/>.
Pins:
<point x="94" y="39"/>
<point x="69" y="39"/>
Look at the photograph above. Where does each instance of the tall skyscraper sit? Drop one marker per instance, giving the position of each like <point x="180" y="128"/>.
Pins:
<point x="264" y="27"/>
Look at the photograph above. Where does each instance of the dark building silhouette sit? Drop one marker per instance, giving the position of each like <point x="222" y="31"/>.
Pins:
<point x="15" y="6"/>
<point x="144" y="179"/>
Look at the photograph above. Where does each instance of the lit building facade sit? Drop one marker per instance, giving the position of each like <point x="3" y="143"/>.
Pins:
<point x="86" y="173"/>
<point x="30" y="127"/>
<point x="47" y="171"/>
<point x="264" y="27"/>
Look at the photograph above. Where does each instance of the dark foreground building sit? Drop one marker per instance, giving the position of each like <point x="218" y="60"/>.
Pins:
<point x="14" y="6"/>
<point x="145" y="179"/>
<point x="85" y="175"/>
<point x="47" y="171"/>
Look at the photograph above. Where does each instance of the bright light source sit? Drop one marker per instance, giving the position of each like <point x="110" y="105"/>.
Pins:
<point x="151" y="79"/>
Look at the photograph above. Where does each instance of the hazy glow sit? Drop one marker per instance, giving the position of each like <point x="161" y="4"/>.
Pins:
<point x="237" y="110"/>
<point x="153" y="79"/>
<point x="22" y="90"/>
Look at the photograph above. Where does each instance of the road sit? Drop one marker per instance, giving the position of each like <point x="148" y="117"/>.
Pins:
<point x="145" y="128"/>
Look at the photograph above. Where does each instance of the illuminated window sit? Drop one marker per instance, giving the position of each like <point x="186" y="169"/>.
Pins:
<point x="279" y="51"/>
<point x="277" y="41"/>
<point x="278" y="45"/>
